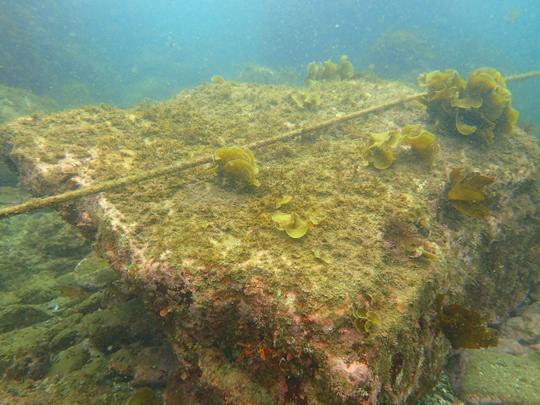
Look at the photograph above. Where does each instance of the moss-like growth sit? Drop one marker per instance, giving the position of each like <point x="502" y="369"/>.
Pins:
<point x="480" y="106"/>
<point x="306" y="100"/>
<point x="463" y="327"/>
<point x="466" y="192"/>
<point x="329" y="71"/>
<point x="364" y="320"/>
<point x="236" y="162"/>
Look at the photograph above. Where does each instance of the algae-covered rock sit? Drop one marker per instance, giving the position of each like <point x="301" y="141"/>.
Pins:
<point x="69" y="360"/>
<point x="253" y="314"/>
<point x="21" y="316"/>
<point x="497" y="377"/>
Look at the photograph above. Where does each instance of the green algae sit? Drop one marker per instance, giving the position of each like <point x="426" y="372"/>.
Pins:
<point x="306" y="100"/>
<point x="423" y="143"/>
<point x="143" y="396"/>
<point x="378" y="152"/>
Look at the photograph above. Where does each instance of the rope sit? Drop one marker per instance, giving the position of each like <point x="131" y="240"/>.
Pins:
<point x="523" y="76"/>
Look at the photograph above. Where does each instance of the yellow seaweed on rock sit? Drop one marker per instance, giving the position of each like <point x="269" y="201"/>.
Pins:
<point x="236" y="162"/>
<point x="364" y="320"/>
<point x="345" y="68"/>
<point x="378" y="152"/>
<point x="218" y="79"/>
<point x="292" y="224"/>
<point x="306" y="100"/>
<point x="329" y="71"/>
<point x="422" y="142"/>
<point x="466" y="192"/>
<point x="481" y="105"/>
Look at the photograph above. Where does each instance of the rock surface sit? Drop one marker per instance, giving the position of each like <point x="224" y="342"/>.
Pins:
<point x="256" y="316"/>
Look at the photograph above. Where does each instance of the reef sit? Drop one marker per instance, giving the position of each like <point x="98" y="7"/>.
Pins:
<point x="257" y="316"/>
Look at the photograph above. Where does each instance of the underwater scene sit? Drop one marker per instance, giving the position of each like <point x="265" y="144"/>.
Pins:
<point x="282" y="202"/>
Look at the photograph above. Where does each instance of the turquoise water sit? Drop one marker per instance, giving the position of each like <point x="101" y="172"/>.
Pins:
<point x="120" y="52"/>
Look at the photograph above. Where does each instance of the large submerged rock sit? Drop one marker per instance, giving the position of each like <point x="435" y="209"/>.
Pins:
<point x="255" y="316"/>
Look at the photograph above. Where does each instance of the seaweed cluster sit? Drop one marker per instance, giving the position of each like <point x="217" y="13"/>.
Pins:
<point x="238" y="163"/>
<point x="422" y="142"/>
<point x="306" y="100"/>
<point x="329" y="72"/>
<point x="463" y="327"/>
<point x="364" y="320"/>
<point x="292" y="224"/>
<point x="480" y="106"/>
<point x="466" y="192"/>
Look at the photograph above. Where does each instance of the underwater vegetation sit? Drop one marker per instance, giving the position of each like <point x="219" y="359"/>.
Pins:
<point x="364" y="320"/>
<point x="329" y="72"/>
<point x="238" y="163"/>
<point x="292" y="224"/>
<point x="217" y="79"/>
<point x="464" y="327"/>
<point x="306" y="100"/>
<point x="422" y="142"/>
<point x="466" y="192"/>
<point x="480" y="106"/>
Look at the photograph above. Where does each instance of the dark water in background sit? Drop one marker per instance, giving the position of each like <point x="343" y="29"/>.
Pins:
<point x="119" y="51"/>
